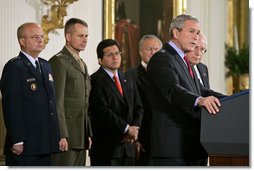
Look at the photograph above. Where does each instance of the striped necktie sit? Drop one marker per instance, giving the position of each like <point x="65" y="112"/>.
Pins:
<point x="189" y="67"/>
<point x="118" y="85"/>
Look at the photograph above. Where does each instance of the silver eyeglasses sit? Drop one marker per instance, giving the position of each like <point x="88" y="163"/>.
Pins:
<point x="200" y="49"/>
<point x="112" y="54"/>
<point x="35" y="37"/>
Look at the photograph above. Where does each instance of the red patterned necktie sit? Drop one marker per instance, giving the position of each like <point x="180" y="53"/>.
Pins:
<point x="118" y="85"/>
<point x="189" y="67"/>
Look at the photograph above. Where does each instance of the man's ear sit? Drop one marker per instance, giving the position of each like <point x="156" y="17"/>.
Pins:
<point x="21" y="41"/>
<point x="99" y="61"/>
<point x="68" y="37"/>
<point x="175" y="33"/>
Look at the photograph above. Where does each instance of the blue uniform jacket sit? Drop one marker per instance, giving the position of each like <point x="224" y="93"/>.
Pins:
<point x="29" y="106"/>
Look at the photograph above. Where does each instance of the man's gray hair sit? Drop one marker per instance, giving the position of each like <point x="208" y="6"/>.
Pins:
<point x="147" y="37"/>
<point x="178" y="22"/>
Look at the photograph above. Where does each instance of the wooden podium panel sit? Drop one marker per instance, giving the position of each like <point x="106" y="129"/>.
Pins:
<point x="228" y="161"/>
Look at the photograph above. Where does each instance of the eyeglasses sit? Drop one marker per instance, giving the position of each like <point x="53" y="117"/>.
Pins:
<point x="151" y="48"/>
<point x="35" y="37"/>
<point x="112" y="54"/>
<point x="200" y="49"/>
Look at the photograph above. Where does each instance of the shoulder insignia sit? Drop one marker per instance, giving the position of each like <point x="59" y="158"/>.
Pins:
<point x="59" y="54"/>
<point x="15" y="58"/>
<point x="43" y="59"/>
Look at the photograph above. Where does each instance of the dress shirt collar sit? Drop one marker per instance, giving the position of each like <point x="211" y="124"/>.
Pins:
<point x="110" y="73"/>
<point x="171" y="43"/>
<point x="74" y="54"/>
<point x="198" y="74"/>
<point x="144" y="64"/>
<point x="30" y="58"/>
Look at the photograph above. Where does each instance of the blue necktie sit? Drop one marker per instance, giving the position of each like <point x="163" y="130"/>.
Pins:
<point x="38" y="69"/>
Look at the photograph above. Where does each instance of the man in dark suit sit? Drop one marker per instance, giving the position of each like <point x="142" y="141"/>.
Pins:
<point x="202" y="70"/>
<point x="29" y="103"/>
<point x="115" y="108"/>
<point x="72" y="84"/>
<point x="176" y="97"/>
<point x="195" y="58"/>
<point x="148" y="45"/>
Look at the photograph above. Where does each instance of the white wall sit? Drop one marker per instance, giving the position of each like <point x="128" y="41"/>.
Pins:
<point x="212" y="15"/>
<point x="16" y="12"/>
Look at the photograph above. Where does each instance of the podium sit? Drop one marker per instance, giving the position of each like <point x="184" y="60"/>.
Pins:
<point x="225" y="136"/>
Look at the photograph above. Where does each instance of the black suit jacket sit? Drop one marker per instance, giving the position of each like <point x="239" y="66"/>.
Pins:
<point x="175" y="127"/>
<point x="138" y="74"/>
<point x="203" y="71"/>
<point x="29" y="107"/>
<point x="110" y="114"/>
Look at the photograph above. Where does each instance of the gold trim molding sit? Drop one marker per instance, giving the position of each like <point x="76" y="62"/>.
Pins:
<point x="109" y="19"/>
<point x="179" y="7"/>
<point x="55" y="18"/>
<point x="238" y="23"/>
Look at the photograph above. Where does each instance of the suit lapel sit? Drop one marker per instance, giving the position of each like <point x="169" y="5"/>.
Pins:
<point x="30" y="67"/>
<point x="183" y="65"/>
<point x="203" y="75"/>
<point x="46" y="77"/>
<point x="141" y="74"/>
<point x="187" y="74"/>
<point x="125" y="87"/>
<point x="197" y="82"/>
<point x="110" y="83"/>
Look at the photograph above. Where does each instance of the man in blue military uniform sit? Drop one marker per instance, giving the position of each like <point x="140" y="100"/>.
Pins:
<point x="29" y="103"/>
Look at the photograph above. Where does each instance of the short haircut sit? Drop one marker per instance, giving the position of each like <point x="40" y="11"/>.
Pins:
<point x="21" y="28"/>
<point x="147" y="37"/>
<point x="71" y="22"/>
<point x="106" y="43"/>
<point x="179" y="21"/>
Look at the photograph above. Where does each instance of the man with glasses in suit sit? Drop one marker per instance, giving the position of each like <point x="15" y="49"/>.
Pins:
<point x="195" y="58"/>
